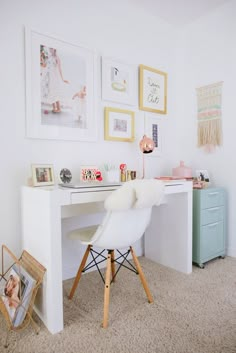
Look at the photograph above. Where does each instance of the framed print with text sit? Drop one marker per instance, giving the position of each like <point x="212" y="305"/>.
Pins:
<point x="119" y="125"/>
<point x="152" y="90"/>
<point x="88" y="173"/>
<point x="118" y="82"/>
<point x="59" y="89"/>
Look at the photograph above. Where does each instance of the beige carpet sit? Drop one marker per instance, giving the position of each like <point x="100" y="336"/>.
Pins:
<point x="191" y="314"/>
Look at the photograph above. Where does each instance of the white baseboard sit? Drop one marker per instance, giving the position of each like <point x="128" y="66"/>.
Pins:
<point x="231" y="252"/>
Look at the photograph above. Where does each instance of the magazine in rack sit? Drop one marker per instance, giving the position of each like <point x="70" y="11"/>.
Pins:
<point x="17" y="293"/>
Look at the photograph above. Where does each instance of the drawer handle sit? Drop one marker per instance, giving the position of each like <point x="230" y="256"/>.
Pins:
<point x="213" y="193"/>
<point x="213" y="224"/>
<point x="213" y="209"/>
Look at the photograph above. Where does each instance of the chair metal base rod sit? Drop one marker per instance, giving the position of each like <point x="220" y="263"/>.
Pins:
<point x="113" y="267"/>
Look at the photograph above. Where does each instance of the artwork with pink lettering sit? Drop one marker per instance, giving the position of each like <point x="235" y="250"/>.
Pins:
<point x="152" y="90"/>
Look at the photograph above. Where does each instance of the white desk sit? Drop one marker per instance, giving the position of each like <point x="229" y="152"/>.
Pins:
<point x="42" y="210"/>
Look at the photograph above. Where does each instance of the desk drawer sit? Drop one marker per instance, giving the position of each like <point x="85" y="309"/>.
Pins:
<point x="212" y="215"/>
<point x="212" y="198"/>
<point x="86" y="197"/>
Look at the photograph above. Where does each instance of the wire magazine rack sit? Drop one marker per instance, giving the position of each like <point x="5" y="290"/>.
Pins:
<point x="30" y="267"/>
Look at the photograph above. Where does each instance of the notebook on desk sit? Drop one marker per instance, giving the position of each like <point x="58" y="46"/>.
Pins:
<point x="89" y="185"/>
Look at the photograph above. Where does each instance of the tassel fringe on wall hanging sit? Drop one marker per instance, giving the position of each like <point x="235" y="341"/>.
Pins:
<point x="209" y="116"/>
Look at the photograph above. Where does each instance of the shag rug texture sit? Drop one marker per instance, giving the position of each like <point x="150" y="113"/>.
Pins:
<point x="193" y="313"/>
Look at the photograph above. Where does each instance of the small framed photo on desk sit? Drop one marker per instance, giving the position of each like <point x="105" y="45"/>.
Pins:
<point x="202" y="175"/>
<point x="42" y="174"/>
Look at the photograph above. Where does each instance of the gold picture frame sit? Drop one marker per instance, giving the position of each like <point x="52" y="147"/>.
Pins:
<point x="42" y="174"/>
<point x="152" y="90"/>
<point x="119" y="125"/>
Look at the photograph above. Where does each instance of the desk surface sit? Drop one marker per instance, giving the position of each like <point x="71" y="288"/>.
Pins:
<point x="67" y="194"/>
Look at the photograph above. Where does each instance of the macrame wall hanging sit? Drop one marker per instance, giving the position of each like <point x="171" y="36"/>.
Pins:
<point x="209" y="116"/>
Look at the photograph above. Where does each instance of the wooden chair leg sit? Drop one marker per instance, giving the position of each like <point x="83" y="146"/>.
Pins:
<point x="141" y="275"/>
<point x="78" y="276"/>
<point x="107" y="291"/>
<point x="113" y="266"/>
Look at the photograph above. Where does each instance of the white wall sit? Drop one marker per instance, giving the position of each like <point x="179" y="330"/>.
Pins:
<point x="209" y="56"/>
<point x="117" y="30"/>
<point x="202" y="53"/>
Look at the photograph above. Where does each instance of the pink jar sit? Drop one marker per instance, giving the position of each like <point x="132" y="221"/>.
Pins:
<point x="182" y="171"/>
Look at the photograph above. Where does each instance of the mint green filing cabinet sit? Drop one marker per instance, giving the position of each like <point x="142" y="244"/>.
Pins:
<point x="208" y="224"/>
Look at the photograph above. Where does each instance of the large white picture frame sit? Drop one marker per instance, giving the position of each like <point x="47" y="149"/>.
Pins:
<point x="59" y="89"/>
<point x="118" y="82"/>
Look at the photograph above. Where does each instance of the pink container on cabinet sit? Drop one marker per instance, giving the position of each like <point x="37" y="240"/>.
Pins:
<point x="182" y="171"/>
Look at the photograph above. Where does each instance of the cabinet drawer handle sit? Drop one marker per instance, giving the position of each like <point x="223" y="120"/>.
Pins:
<point x="213" y="193"/>
<point x="213" y="209"/>
<point x="213" y="224"/>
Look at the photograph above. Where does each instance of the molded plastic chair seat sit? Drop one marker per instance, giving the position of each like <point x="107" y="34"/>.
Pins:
<point x="128" y="215"/>
<point x="85" y="234"/>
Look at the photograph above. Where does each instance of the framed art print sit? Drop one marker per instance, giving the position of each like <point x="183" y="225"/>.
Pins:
<point x="118" y="82"/>
<point x="154" y="131"/>
<point x="59" y="89"/>
<point x="119" y="125"/>
<point x="202" y="175"/>
<point x="152" y="90"/>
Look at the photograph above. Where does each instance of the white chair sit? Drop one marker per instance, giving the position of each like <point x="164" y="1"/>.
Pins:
<point x="128" y="215"/>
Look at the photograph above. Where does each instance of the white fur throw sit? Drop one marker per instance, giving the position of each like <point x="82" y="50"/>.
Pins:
<point x="138" y="193"/>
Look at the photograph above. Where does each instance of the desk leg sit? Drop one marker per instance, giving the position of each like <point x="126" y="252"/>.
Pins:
<point x="41" y="233"/>
<point x="168" y="239"/>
